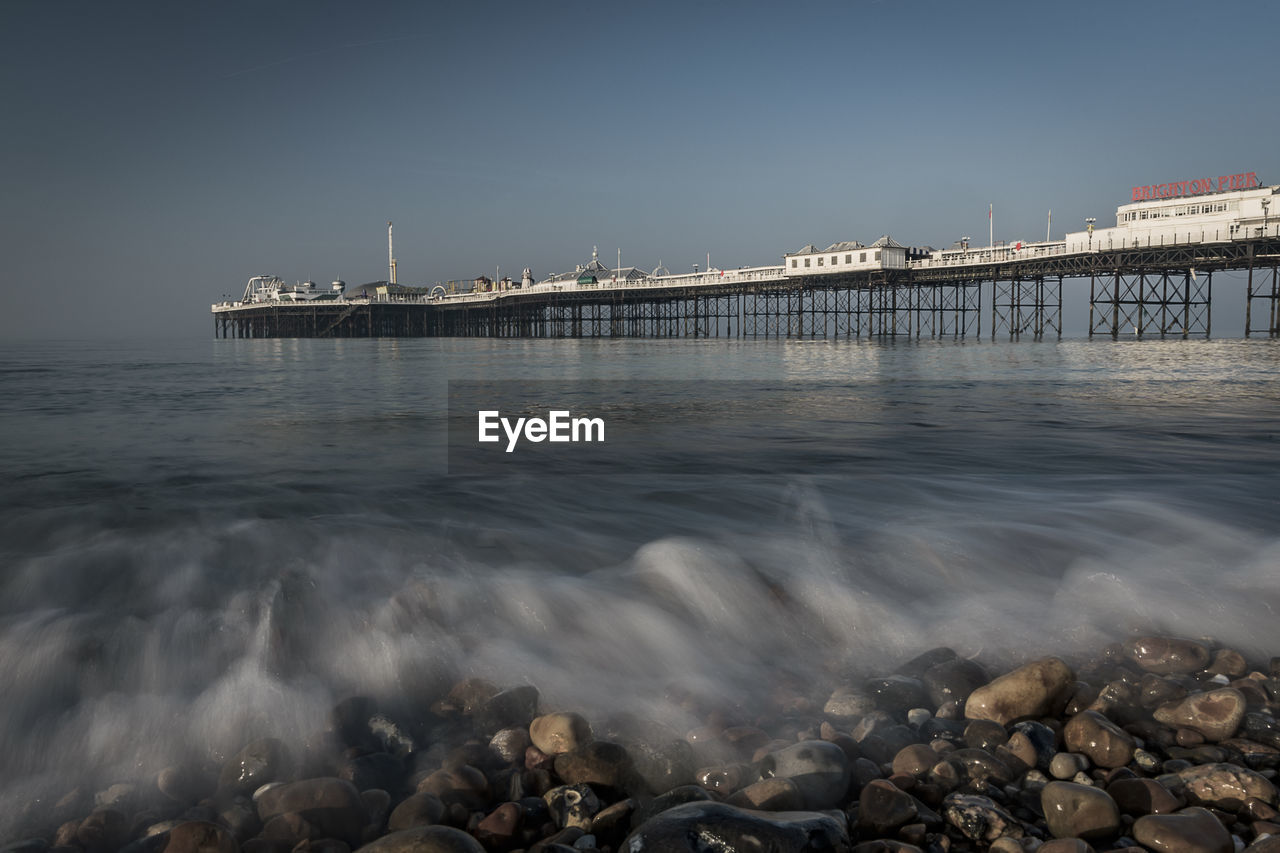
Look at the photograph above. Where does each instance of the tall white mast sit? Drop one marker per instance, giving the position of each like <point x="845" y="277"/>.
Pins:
<point x="391" y="255"/>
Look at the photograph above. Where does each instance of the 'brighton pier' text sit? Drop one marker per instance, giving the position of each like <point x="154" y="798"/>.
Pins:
<point x="558" y="426"/>
<point x="1225" y="183"/>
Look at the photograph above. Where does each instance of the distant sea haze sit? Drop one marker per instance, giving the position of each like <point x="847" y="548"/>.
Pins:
<point x="210" y="541"/>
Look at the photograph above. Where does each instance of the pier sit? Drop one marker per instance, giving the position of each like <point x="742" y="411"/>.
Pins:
<point x="1153" y="288"/>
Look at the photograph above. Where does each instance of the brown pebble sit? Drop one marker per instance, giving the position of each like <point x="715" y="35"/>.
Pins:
<point x="1065" y="845"/>
<point x="1165" y="655"/>
<point x="1215" y="714"/>
<point x="776" y="794"/>
<point x="559" y="732"/>
<point x="1143" y="797"/>
<point x="1103" y="742"/>
<point x="500" y="827"/>
<point x="1037" y="689"/>
<point x="420" y="809"/>
<point x="914" y="760"/>
<point x="1192" y="830"/>
<point x="1256" y="809"/>
<point x="1188" y="737"/>
<point x="1227" y="662"/>
<point x="1079" y="811"/>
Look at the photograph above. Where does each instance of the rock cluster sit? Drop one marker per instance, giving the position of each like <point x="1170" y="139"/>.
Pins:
<point x="1157" y="744"/>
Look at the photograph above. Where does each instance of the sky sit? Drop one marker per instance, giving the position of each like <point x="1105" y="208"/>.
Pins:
<point x="158" y="154"/>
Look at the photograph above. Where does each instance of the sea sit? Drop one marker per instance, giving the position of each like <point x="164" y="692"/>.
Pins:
<point x="207" y="541"/>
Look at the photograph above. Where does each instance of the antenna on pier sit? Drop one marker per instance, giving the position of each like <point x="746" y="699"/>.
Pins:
<point x="391" y="255"/>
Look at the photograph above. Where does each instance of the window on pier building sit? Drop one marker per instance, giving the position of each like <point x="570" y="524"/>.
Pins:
<point x="834" y="260"/>
<point x="819" y="261"/>
<point x="848" y="259"/>
<point x="806" y="262"/>
<point x="862" y="257"/>
<point x="877" y="257"/>
<point x="794" y="263"/>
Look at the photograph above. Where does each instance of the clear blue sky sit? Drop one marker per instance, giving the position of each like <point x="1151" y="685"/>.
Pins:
<point x="158" y="154"/>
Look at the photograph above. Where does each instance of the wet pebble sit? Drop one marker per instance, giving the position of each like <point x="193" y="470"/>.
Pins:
<point x="684" y="829"/>
<point x="1215" y="714"/>
<point x="1036" y="689"/>
<point x="820" y="771"/>
<point x="1192" y="830"/>
<point x="1225" y="786"/>
<point x="1143" y="797"/>
<point x="1079" y="811"/>
<point x="978" y="818"/>
<point x="200" y="837"/>
<point x="560" y="732"/>
<point x="421" y="809"/>
<point x="599" y="763"/>
<point x="1100" y="740"/>
<point x="1164" y="655"/>
<point x="333" y="806"/>
<point x="882" y="807"/>
<point x="425" y="839"/>
<point x="256" y="764"/>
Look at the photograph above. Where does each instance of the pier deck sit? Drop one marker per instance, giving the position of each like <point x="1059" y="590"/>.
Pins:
<point x="1162" y="289"/>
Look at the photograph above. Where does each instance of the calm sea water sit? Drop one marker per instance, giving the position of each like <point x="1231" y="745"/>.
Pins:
<point x="206" y="541"/>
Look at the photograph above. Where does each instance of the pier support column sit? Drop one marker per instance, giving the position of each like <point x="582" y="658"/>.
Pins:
<point x="1164" y="302"/>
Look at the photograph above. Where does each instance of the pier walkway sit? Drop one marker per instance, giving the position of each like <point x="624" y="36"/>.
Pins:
<point x="1142" y="289"/>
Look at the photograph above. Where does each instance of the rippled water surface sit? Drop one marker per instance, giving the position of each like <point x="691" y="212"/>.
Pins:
<point x="205" y="541"/>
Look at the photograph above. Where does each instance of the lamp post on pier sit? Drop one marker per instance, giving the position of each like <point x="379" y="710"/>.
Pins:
<point x="1089" y="222"/>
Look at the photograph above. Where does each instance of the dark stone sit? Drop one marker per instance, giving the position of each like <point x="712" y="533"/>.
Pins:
<point x="683" y="829"/>
<point x="1192" y="830"/>
<point x="253" y="766"/>
<point x="421" y="809"/>
<point x="882" y="807"/>
<point x="600" y="763"/>
<point x="675" y="797"/>
<point x="984" y="734"/>
<point x="425" y="839"/>
<point x="1164" y="655"/>
<point x="1261" y="728"/>
<point x="515" y="707"/>
<point x="978" y="764"/>
<point x="819" y="769"/>
<point x="663" y="765"/>
<point x="466" y="786"/>
<point x="103" y="830"/>
<point x="953" y="681"/>
<point x="922" y="663"/>
<point x="897" y="692"/>
<point x="332" y="805"/>
<point x="501" y="827"/>
<point x="1043" y="740"/>
<point x="979" y="818"/>
<point x="200" y="837"/>
<point x="1140" y="797"/>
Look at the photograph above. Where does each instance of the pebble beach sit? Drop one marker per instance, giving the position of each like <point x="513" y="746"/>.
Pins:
<point x="1156" y="743"/>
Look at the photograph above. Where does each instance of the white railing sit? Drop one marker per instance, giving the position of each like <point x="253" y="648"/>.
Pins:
<point x="991" y="255"/>
<point x="1102" y="241"/>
